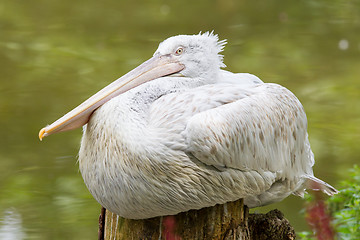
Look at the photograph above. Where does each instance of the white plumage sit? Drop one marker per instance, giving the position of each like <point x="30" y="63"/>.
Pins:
<point x="195" y="138"/>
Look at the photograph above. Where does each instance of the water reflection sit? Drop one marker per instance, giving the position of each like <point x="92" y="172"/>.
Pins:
<point x="54" y="54"/>
<point x="11" y="225"/>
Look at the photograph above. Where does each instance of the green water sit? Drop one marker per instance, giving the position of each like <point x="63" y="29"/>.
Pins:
<point x="54" y="54"/>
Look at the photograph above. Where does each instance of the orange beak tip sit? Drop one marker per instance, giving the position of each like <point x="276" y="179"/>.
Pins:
<point x="42" y="134"/>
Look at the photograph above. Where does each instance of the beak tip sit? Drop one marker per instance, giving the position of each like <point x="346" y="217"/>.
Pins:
<point x="42" y="134"/>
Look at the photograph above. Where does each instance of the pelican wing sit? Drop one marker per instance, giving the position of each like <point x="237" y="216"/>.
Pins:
<point x="261" y="129"/>
<point x="257" y="131"/>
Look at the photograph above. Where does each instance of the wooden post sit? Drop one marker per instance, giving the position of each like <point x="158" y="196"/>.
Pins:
<point x="227" y="221"/>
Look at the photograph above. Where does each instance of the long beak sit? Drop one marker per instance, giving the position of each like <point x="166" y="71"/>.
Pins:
<point x="155" y="67"/>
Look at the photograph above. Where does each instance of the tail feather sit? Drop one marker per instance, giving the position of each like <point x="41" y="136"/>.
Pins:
<point x="319" y="185"/>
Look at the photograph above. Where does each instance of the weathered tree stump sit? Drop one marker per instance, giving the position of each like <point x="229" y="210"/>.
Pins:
<point x="272" y="225"/>
<point x="227" y="221"/>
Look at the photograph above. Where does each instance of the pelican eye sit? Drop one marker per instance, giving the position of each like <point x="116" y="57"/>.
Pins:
<point x="179" y="51"/>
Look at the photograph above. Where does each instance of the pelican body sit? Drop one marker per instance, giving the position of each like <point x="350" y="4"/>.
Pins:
<point x="179" y="133"/>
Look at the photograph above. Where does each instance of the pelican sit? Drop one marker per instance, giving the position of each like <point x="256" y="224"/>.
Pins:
<point x="179" y="133"/>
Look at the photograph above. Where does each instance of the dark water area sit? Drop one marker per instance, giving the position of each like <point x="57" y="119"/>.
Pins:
<point x="54" y="54"/>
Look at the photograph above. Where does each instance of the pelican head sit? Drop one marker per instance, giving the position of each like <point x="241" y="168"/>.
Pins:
<point x="200" y="54"/>
<point x="190" y="56"/>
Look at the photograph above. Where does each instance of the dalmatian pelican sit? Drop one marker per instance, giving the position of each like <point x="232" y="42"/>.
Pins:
<point x="179" y="133"/>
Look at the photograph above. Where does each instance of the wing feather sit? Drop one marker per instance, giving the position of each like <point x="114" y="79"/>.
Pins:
<point x="254" y="134"/>
<point x="265" y="130"/>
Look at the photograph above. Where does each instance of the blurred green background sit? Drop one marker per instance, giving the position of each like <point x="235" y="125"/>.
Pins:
<point x="54" y="54"/>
